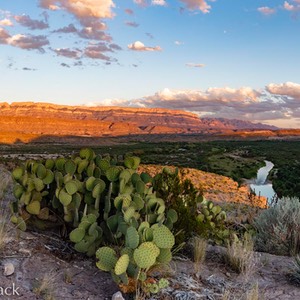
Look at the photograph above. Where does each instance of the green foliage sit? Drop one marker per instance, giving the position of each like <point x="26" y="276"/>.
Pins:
<point x="111" y="206"/>
<point x="278" y="228"/>
<point x="187" y="207"/>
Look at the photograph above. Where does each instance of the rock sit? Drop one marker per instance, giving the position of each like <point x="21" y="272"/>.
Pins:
<point x="9" y="269"/>
<point x="117" y="296"/>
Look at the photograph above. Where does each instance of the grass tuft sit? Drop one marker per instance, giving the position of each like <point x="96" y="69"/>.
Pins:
<point x="199" y="250"/>
<point x="240" y="255"/>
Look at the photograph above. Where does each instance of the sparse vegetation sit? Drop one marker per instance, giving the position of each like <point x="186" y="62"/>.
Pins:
<point x="278" y="228"/>
<point x="240" y="255"/>
<point x="45" y="287"/>
<point x="199" y="251"/>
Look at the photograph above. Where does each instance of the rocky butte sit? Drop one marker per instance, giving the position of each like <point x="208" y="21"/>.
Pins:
<point x="27" y="121"/>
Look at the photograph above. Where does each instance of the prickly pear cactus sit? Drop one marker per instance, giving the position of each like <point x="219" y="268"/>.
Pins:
<point x="104" y="201"/>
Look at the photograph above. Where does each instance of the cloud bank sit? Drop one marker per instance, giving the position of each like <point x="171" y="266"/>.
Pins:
<point x="276" y="102"/>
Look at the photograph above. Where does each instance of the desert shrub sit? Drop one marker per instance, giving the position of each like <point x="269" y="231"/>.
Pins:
<point x="278" y="228"/>
<point x="196" y="215"/>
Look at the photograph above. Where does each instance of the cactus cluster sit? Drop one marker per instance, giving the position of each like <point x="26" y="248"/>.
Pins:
<point x="103" y="201"/>
<point x="211" y="218"/>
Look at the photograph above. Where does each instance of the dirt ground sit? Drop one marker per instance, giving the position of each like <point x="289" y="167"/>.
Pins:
<point x="39" y="258"/>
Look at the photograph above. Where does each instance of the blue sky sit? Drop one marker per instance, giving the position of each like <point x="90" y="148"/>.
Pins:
<point x="233" y="58"/>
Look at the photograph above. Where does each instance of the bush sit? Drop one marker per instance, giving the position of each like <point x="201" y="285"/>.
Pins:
<point x="278" y="228"/>
<point x="196" y="216"/>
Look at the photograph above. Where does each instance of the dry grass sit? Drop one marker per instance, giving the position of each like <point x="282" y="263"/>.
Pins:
<point x="240" y="255"/>
<point x="46" y="286"/>
<point x="253" y="293"/>
<point x="199" y="251"/>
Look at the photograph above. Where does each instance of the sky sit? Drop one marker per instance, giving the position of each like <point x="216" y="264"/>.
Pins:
<point x="217" y="58"/>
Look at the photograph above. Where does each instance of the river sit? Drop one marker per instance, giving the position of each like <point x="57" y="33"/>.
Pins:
<point x="261" y="186"/>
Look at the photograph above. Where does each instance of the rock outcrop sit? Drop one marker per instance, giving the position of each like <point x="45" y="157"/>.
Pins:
<point x="28" y="121"/>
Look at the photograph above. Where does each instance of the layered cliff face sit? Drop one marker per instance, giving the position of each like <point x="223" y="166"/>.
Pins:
<point x="28" y="121"/>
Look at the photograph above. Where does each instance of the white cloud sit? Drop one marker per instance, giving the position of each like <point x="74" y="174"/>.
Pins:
<point x="197" y="5"/>
<point x="28" y="42"/>
<point x="289" y="89"/>
<point x="265" y="10"/>
<point x="139" y="46"/>
<point x="82" y="8"/>
<point x="6" y="22"/>
<point x="159" y="2"/>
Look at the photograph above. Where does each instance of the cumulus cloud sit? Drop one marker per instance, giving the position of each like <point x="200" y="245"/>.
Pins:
<point x="96" y="51"/>
<point x="194" y="65"/>
<point x="267" y="11"/>
<point x="92" y="33"/>
<point x="139" y="46"/>
<point x="26" y="21"/>
<point x="277" y="102"/>
<point x="159" y="2"/>
<point x="132" y="24"/>
<point x="178" y="43"/>
<point x="66" y="52"/>
<point x="289" y="89"/>
<point x="28" y="42"/>
<point x="6" y="22"/>
<point x="82" y="9"/>
<point x="197" y="5"/>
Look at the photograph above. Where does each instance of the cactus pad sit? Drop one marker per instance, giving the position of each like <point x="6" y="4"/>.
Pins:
<point x="132" y="238"/>
<point x="145" y="255"/>
<point x="49" y="177"/>
<point x="77" y="235"/>
<point x="165" y="256"/>
<point x="172" y="214"/>
<point x="70" y="166"/>
<point x="71" y="187"/>
<point x="122" y="264"/>
<point x="132" y="162"/>
<point x="41" y="171"/>
<point x="34" y="207"/>
<point x="163" y="237"/>
<point x="64" y="198"/>
<point x="107" y="258"/>
<point x="18" y="173"/>
<point x="98" y="188"/>
<point x="112" y="173"/>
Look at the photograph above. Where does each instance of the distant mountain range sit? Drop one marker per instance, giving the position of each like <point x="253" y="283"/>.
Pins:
<point x="27" y="121"/>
